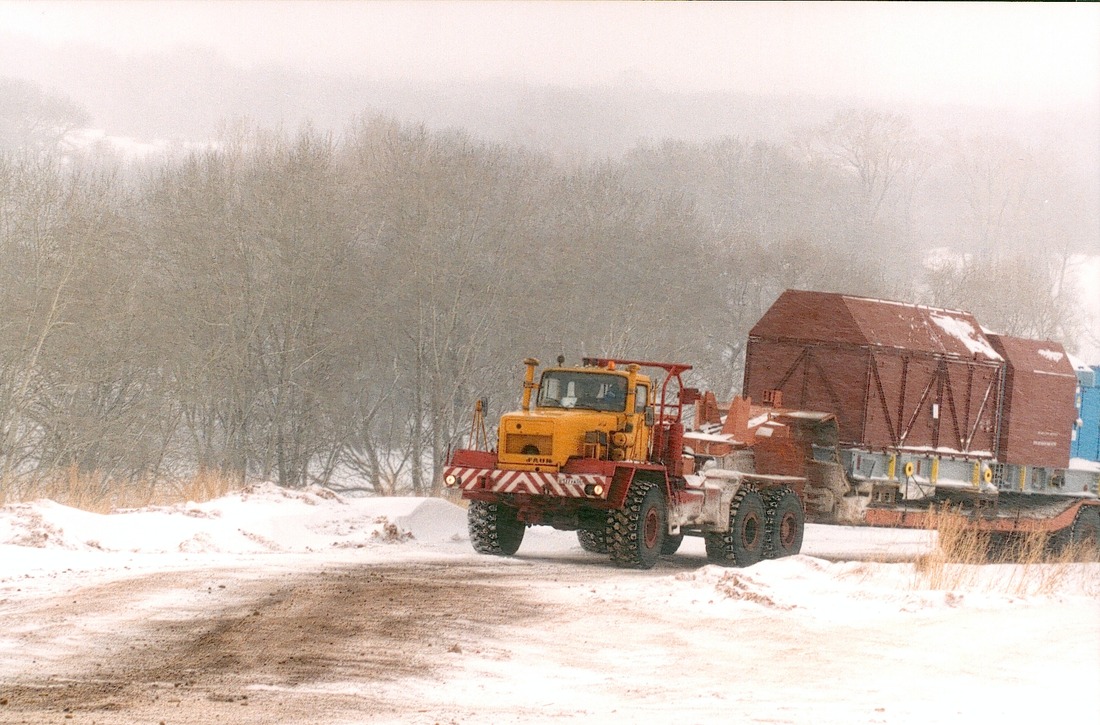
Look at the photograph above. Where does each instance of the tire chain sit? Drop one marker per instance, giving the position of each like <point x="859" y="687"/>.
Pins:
<point x="481" y="522"/>
<point x="593" y="541"/>
<point x="622" y="537"/>
<point x="720" y="544"/>
<point x="772" y="497"/>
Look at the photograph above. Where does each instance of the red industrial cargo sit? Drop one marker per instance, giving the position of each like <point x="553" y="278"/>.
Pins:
<point x="897" y="376"/>
<point x="1038" y="402"/>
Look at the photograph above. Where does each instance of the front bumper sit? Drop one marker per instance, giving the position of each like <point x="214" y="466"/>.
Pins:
<point x="536" y="483"/>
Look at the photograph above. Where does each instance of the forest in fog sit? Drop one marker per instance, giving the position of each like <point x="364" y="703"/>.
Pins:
<point x="324" y="305"/>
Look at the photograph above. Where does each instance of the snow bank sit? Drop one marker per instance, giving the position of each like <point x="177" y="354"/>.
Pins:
<point x="261" y="518"/>
<point x="428" y="520"/>
<point x="851" y="593"/>
<point x="77" y="586"/>
<point x="252" y="528"/>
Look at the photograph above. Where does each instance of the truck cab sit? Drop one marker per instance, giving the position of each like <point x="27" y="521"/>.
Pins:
<point x="595" y="413"/>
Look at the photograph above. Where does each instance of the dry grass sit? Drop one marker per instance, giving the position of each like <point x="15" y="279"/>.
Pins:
<point x="99" y="494"/>
<point x="963" y="555"/>
<point x="204" y="486"/>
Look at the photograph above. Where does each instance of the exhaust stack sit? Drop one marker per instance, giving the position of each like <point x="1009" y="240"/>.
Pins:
<point x="529" y="381"/>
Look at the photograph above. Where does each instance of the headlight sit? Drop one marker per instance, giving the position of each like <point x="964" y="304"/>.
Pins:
<point x="450" y="479"/>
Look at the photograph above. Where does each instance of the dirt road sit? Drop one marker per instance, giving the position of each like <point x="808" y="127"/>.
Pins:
<point x="534" y="639"/>
<point x="369" y="624"/>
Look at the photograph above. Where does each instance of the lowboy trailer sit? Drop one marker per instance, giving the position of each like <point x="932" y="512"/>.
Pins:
<point x="870" y="412"/>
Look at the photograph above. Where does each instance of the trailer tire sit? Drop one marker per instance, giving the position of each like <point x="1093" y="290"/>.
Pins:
<point x="784" y="523"/>
<point x="494" y="528"/>
<point x="672" y="544"/>
<point x="1084" y="531"/>
<point x="593" y="541"/>
<point x="1002" y="547"/>
<point x="637" y="531"/>
<point x="743" y="544"/>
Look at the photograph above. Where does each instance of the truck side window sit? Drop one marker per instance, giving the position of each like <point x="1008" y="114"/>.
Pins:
<point x="641" y="398"/>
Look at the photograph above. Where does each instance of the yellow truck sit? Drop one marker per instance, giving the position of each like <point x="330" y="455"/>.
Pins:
<point x="600" y="449"/>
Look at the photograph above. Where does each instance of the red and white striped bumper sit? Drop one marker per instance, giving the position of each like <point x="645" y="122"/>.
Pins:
<point x="567" y="485"/>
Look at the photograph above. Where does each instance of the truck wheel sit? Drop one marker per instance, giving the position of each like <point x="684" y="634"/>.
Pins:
<point x="494" y="528"/>
<point x="637" y="530"/>
<point x="784" y="523"/>
<point x="743" y="544"/>
<point x="593" y="541"/>
<point x="672" y="544"/>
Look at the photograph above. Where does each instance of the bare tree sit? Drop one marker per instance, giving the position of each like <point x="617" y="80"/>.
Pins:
<point x="38" y="268"/>
<point x="33" y="120"/>
<point x="878" y="151"/>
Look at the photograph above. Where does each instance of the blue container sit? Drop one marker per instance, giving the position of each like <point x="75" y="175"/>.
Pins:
<point x="1086" y="438"/>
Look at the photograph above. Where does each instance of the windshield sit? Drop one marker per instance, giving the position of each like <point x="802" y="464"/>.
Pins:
<point x="593" y="391"/>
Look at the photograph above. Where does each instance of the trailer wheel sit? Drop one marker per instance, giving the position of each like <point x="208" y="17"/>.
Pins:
<point x="743" y="544"/>
<point x="784" y="523"/>
<point x="637" y="531"/>
<point x="672" y="544"/>
<point x="1002" y="547"/>
<point x="494" y="528"/>
<point x="1084" y="533"/>
<point x="593" y="541"/>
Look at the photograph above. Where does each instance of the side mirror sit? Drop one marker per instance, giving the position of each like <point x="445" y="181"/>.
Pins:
<point x="649" y="416"/>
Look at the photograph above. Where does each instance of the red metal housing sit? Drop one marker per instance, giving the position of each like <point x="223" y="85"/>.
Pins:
<point x="1038" y="411"/>
<point x="897" y="376"/>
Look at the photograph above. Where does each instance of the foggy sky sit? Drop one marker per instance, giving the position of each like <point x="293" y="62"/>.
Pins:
<point x="1024" y="55"/>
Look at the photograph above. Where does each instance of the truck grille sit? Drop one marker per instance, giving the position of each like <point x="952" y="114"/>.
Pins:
<point x="528" y="445"/>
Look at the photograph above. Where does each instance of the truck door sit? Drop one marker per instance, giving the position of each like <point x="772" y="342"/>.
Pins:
<point x="641" y="430"/>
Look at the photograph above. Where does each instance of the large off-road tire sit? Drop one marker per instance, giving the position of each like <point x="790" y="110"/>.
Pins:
<point x="743" y="544"/>
<point x="593" y="541"/>
<point x="672" y="544"/>
<point x="637" y="530"/>
<point x="784" y="523"/>
<point x="494" y="528"/>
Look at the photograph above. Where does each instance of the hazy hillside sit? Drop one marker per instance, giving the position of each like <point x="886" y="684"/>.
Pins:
<point x="189" y="94"/>
<point x="288" y="299"/>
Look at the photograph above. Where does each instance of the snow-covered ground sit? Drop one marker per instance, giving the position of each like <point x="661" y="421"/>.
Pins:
<point x="280" y="606"/>
<point x="127" y="148"/>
